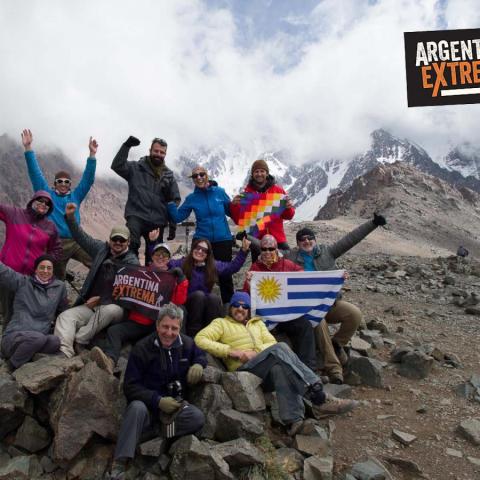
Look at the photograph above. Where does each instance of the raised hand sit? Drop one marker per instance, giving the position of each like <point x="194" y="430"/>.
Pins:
<point x="92" y="146"/>
<point x="245" y="244"/>
<point x="154" y="234"/>
<point x="27" y="139"/>
<point x="237" y="198"/>
<point x="132" y="141"/>
<point x="379" y="220"/>
<point x="70" y="209"/>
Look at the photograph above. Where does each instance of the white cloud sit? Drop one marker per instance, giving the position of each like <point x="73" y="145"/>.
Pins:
<point x="112" y="68"/>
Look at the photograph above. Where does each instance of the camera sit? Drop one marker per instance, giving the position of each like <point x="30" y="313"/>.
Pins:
<point x="174" y="390"/>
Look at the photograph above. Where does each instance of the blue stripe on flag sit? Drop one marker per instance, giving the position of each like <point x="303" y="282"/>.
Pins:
<point x="315" y="281"/>
<point x="266" y="312"/>
<point x="303" y="295"/>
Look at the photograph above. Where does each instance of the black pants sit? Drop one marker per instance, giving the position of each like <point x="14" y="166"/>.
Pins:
<point x="300" y="332"/>
<point x="223" y="251"/>
<point x="123" y="332"/>
<point x="201" y="310"/>
<point x="140" y="228"/>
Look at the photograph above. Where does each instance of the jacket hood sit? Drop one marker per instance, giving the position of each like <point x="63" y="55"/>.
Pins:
<point x="38" y="194"/>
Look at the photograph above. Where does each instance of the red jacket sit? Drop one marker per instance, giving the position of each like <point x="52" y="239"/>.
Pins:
<point x="27" y="236"/>
<point x="275" y="227"/>
<point x="281" y="265"/>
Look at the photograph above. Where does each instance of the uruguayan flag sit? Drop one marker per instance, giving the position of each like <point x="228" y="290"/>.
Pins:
<point x="283" y="296"/>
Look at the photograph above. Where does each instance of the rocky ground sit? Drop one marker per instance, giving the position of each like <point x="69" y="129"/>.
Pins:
<point x="414" y="366"/>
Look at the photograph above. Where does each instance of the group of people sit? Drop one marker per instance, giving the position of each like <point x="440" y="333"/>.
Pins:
<point x="169" y="352"/>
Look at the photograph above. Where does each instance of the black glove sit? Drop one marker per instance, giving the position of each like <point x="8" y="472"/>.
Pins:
<point x="172" y="231"/>
<point x="132" y="141"/>
<point x="379" y="220"/>
<point x="178" y="272"/>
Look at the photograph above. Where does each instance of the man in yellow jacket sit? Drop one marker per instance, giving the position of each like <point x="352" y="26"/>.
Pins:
<point x="245" y="344"/>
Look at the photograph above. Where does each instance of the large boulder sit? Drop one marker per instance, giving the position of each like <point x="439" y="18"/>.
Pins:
<point x="89" y="402"/>
<point x="46" y="373"/>
<point x="239" y="453"/>
<point x="12" y="404"/>
<point x="244" y="390"/>
<point x="368" y="370"/>
<point x="415" y="365"/>
<point x="232" y="424"/>
<point x="31" y="436"/>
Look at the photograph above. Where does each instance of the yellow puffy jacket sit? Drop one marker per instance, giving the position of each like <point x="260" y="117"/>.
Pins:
<point x="225" y="334"/>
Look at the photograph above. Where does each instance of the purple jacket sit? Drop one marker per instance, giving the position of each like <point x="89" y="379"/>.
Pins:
<point x="197" y="282"/>
<point x="27" y="236"/>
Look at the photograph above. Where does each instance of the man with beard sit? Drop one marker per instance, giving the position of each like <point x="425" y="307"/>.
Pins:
<point x="151" y="186"/>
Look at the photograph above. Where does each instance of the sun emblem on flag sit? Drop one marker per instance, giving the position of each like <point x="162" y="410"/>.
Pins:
<point x="269" y="289"/>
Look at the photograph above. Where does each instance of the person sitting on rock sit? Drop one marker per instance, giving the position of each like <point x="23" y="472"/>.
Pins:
<point x="28" y="234"/>
<point x="245" y="344"/>
<point x="159" y="370"/>
<point x="312" y="257"/>
<point x="262" y="182"/>
<point x="203" y="271"/>
<point x="63" y="193"/>
<point x="298" y="330"/>
<point x="38" y="298"/>
<point x="94" y="310"/>
<point x="138" y="325"/>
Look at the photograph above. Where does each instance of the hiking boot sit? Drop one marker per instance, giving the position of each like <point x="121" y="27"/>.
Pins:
<point x="103" y="361"/>
<point x="333" y="406"/>
<point x="340" y="353"/>
<point x="336" y="378"/>
<point x="294" y="428"/>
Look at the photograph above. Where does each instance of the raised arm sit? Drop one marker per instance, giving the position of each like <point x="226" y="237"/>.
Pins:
<point x="88" y="176"/>
<point x="229" y="268"/>
<point x="91" y="245"/>
<point x="179" y="214"/>
<point x="120" y="164"/>
<point x="355" y="236"/>
<point x="37" y="179"/>
<point x="10" y="279"/>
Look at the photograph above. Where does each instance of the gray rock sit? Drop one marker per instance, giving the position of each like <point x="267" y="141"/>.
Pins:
<point x="473" y="311"/>
<point x="47" y="464"/>
<point x="21" y="468"/>
<point x="211" y="375"/>
<point x="470" y="429"/>
<point x="46" y="373"/>
<point x="31" y="436"/>
<point x="12" y="404"/>
<point x="154" y="447"/>
<point x="416" y="365"/>
<point x="318" y="468"/>
<point x="368" y="369"/>
<point x="91" y="464"/>
<point x="232" y="424"/>
<point x="239" y="453"/>
<point x="465" y="390"/>
<point x="88" y="402"/>
<point x="313" y="445"/>
<point x="289" y="459"/>
<point x="475" y="380"/>
<point x="453" y="360"/>
<point x="397" y="355"/>
<point x="403" y="437"/>
<point x="210" y="398"/>
<point x="244" y="390"/>
<point x="340" y="391"/>
<point x="371" y="469"/>
<point x="406" y="465"/>
<point x="360" y="345"/>
<point x="311" y="428"/>
<point x="373" y="337"/>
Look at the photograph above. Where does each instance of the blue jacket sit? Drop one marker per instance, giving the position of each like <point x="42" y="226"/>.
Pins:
<point x="60" y="201"/>
<point x="210" y="206"/>
<point x="152" y="367"/>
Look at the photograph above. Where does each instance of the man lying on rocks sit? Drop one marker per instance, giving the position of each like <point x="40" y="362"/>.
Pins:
<point x="245" y="344"/>
<point x="159" y="369"/>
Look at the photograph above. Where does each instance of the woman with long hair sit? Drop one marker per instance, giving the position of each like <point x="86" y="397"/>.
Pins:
<point x="203" y="272"/>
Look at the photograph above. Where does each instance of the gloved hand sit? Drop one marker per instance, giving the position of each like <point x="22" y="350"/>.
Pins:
<point x="194" y="374"/>
<point x="172" y="232"/>
<point x="132" y="141"/>
<point x="178" y="272"/>
<point x="168" y="405"/>
<point x="379" y="220"/>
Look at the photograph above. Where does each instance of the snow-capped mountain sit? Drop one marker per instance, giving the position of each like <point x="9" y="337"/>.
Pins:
<point x="310" y="184"/>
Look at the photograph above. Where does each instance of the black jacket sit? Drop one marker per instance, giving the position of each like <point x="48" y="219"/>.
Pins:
<point x="152" y="367"/>
<point x="147" y="195"/>
<point x="99" y="252"/>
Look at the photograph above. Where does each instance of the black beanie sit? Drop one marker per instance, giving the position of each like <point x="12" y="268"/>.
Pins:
<point x="41" y="258"/>
<point x="305" y="231"/>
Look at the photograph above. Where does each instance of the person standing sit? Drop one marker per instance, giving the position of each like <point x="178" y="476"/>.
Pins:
<point x="211" y="206"/>
<point x="151" y="185"/>
<point x="63" y="193"/>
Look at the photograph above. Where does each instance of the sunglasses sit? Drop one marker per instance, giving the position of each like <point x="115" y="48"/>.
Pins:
<point x="63" y="181"/>
<point x="268" y="249"/>
<point x="240" y="305"/>
<point x="201" y="249"/>
<point x="160" y="141"/>
<point x="306" y="237"/>
<point x="199" y="174"/>
<point x="118" y="240"/>
<point x="43" y="201"/>
<point x="160" y="253"/>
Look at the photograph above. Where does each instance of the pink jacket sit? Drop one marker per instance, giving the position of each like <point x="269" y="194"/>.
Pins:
<point x="27" y="236"/>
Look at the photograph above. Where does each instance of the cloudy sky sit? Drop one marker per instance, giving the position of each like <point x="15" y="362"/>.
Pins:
<point x="312" y="76"/>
